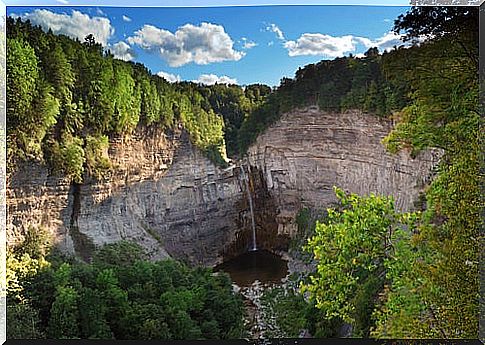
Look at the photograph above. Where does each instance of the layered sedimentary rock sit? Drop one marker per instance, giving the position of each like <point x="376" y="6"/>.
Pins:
<point x="163" y="194"/>
<point x="308" y="151"/>
<point x="166" y="195"/>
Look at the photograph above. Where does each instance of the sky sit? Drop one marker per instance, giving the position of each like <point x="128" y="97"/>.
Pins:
<point x="242" y="45"/>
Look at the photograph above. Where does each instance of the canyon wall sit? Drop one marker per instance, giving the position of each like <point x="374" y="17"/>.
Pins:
<point x="164" y="194"/>
<point x="308" y="151"/>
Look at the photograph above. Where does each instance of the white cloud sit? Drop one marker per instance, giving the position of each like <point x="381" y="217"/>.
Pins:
<point x="387" y="20"/>
<point x="270" y="43"/>
<point x="65" y="2"/>
<point x="320" y="44"/>
<point x="77" y="25"/>
<point x="385" y="43"/>
<point x="274" y="28"/>
<point x="388" y="41"/>
<point x="332" y="47"/>
<point x="171" y="78"/>
<point x="211" y="79"/>
<point x="247" y="44"/>
<point x="126" y="18"/>
<point x="122" y="51"/>
<point x="202" y="44"/>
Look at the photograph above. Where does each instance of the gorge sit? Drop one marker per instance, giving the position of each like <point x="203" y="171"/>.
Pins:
<point x="165" y="195"/>
<point x="343" y="201"/>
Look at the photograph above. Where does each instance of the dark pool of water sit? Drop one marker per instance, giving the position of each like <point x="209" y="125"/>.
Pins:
<point x="255" y="265"/>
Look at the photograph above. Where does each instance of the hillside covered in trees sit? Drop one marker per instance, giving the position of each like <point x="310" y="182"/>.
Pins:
<point x="68" y="98"/>
<point x="385" y="273"/>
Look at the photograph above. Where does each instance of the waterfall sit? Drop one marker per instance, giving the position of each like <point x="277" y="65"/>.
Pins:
<point x="250" y="200"/>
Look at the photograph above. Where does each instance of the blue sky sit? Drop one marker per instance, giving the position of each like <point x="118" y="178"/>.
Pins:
<point x="246" y="45"/>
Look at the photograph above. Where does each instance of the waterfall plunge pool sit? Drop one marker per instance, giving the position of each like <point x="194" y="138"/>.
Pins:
<point x="260" y="265"/>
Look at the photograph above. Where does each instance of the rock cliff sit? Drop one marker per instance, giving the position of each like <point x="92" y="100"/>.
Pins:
<point x="308" y="151"/>
<point x="163" y="194"/>
<point x="167" y="196"/>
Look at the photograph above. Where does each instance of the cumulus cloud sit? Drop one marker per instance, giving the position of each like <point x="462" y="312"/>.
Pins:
<point x="126" y="18"/>
<point x="211" y="79"/>
<point x="64" y="2"/>
<point x="171" y="78"/>
<point x="320" y="44"/>
<point x="332" y="47"/>
<point x="202" y="44"/>
<point x="77" y="25"/>
<point x="122" y="51"/>
<point x="247" y="44"/>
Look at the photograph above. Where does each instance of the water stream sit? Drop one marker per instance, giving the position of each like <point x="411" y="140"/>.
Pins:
<point x="250" y="200"/>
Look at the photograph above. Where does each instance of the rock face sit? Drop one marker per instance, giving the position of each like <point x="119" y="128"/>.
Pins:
<point x="164" y="194"/>
<point x="308" y="151"/>
<point x="167" y="196"/>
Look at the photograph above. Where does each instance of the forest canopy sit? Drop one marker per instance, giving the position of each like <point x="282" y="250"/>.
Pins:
<point x="119" y="295"/>
<point x="67" y="98"/>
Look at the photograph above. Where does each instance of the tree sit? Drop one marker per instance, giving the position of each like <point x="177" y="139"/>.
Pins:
<point x="93" y="320"/>
<point x="23" y="322"/>
<point x="23" y="73"/>
<point x="350" y="248"/>
<point x="457" y="23"/>
<point x="63" y="323"/>
<point x="434" y="289"/>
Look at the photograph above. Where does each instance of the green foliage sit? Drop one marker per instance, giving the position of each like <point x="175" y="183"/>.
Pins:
<point x="20" y="268"/>
<point x="289" y="310"/>
<point x="433" y="290"/>
<point x="293" y="314"/>
<point x="97" y="160"/>
<point x="36" y="243"/>
<point x="31" y="109"/>
<point x="122" y="295"/>
<point x="23" y="322"/>
<point x="456" y="23"/>
<point x="72" y="157"/>
<point x="61" y="92"/>
<point x="234" y="104"/>
<point x="350" y="249"/>
<point x="425" y="285"/>
<point x="337" y="85"/>
<point x="393" y="275"/>
<point x="23" y="74"/>
<point x="306" y="226"/>
<point x="126" y="99"/>
<point x="25" y="260"/>
<point x="63" y="322"/>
